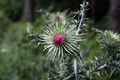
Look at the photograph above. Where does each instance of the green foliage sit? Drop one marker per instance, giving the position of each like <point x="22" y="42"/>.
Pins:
<point x="19" y="59"/>
<point x="4" y="21"/>
<point x="4" y="24"/>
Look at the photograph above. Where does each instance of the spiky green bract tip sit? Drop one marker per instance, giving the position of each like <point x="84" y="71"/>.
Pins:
<point x="110" y="42"/>
<point x="61" y="41"/>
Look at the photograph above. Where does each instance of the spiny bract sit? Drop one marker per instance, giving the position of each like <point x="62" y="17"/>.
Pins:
<point x="60" y="40"/>
<point x="109" y="42"/>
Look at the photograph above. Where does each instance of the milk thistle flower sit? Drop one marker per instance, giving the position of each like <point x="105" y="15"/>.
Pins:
<point x="60" y="41"/>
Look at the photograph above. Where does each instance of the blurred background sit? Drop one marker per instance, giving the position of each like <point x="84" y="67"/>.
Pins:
<point x="22" y="60"/>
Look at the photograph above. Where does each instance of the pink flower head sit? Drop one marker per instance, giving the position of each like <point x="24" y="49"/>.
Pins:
<point x="57" y="18"/>
<point x="58" y="40"/>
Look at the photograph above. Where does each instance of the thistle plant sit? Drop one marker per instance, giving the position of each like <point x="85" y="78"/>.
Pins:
<point x="52" y="18"/>
<point x="110" y="46"/>
<point x="62" y="41"/>
<point x="81" y="17"/>
<point x="109" y="41"/>
<point x="58" y="16"/>
<point x="106" y="63"/>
